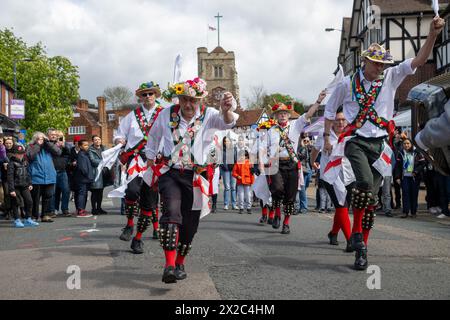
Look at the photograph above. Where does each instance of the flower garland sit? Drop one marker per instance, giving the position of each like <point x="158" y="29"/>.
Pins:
<point x="193" y="88"/>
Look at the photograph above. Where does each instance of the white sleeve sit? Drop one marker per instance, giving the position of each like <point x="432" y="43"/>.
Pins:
<point x="216" y="121"/>
<point x="300" y="124"/>
<point x="336" y="100"/>
<point x="124" y="128"/>
<point x="319" y="143"/>
<point x="397" y="74"/>
<point x="154" y="138"/>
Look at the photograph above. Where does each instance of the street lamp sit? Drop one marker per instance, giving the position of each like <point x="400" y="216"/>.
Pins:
<point x="332" y="29"/>
<point x="15" y="71"/>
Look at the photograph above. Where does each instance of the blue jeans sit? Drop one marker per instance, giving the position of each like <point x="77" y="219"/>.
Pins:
<point x="229" y="183"/>
<point x="61" y="194"/>
<point x="302" y="193"/>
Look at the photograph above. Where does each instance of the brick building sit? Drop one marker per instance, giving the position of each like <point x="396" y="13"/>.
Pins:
<point x="402" y="28"/>
<point x="92" y="120"/>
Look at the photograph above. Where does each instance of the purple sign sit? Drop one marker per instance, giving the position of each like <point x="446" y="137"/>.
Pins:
<point x="17" y="109"/>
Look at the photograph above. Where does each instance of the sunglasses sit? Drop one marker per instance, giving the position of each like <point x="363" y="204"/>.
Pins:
<point x="150" y="94"/>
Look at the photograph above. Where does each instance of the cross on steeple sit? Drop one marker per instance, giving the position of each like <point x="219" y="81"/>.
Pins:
<point x="218" y="28"/>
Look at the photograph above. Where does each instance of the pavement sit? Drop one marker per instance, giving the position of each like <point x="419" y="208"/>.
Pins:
<point x="233" y="257"/>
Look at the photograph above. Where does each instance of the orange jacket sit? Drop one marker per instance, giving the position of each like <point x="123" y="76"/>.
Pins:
<point x="243" y="170"/>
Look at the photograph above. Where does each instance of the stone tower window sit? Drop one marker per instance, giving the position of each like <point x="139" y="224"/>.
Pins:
<point x="218" y="71"/>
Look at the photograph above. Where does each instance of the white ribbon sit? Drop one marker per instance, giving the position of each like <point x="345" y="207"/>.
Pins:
<point x="109" y="157"/>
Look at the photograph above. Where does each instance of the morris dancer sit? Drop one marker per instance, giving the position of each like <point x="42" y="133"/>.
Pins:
<point x="133" y="132"/>
<point x="282" y="143"/>
<point x="368" y="99"/>
<point x="186" y="142"/>
<point x="341" y="217"/>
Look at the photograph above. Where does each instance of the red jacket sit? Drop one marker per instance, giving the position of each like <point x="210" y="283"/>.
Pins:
<point x="243" y="170"/>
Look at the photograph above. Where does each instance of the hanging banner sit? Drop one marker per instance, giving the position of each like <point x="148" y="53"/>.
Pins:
<point x="17" y="109"/>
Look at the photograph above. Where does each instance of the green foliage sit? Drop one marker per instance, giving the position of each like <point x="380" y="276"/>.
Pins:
<point x="269" y="100"/>
<point x="49" y="85"/>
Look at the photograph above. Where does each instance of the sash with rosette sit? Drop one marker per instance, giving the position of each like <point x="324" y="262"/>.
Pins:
<point x="145" y="126"/>
<point x="287" y="143"/>
<point x="367" y="112"/>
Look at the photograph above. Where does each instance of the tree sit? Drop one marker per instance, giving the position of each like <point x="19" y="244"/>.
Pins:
<point x="118" y="96"/>
<point x="256" y="100"/>
<point x="269" y="100"/>
<point x="49" y="85"/>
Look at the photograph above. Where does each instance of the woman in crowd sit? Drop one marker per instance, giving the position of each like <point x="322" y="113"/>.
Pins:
<point x="226" y="168"/>
<point x="409" y="168"/>
<point x="43" y="174"/>
<point x="8" y="143"/>
<point x="97" y="187"/>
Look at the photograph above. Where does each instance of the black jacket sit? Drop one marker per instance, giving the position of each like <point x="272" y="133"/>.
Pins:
<point x="61" y="162"/>
<point x="18" y="175"/>
<point x="84" y="173"/>
<point x="419" y="164"/>
<point x="50" y="147"/>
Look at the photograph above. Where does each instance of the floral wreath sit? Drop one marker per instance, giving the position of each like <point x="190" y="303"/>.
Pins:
<point x="192" y="88"/>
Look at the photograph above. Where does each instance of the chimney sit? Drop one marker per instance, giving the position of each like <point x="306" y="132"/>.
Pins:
<point x="83" y="104"/>
<point x="101" y="109"/>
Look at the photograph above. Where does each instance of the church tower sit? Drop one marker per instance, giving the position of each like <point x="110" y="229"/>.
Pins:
<point x="218" y="69"/>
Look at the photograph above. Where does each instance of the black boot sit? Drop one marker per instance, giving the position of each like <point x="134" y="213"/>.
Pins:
<point x="360" y="248"/>
<point x="169" y="275"/>
<point x="286" y="229"/>
<point x="276" y="222"/>
<point x="270" y="221"/>
<point x="127" y="233"/>
<point x="137" y="246"/>
<point x="155" y="235"/>
<point x="180" y="274"/>
<point x="349" y="248"/>
<point x="263" y="220"/>
<point x="333" y="239"/>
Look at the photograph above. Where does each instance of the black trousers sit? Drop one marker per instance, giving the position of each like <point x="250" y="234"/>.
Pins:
<point x="334" y="199"/>
<point x="431" y="180"/>
<point x="44" y="191"/>
<point x="96" y="198"/>
<point x="177" y="197"/>
<point x="138" y="190"/>
<point x="23" y="195"/>
<point x="284" y="185"/>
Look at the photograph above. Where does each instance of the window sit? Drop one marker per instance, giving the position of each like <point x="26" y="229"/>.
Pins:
<point x="218" y="71"/>
<point x="111" y="117"/>
<point x="77" y="130"/>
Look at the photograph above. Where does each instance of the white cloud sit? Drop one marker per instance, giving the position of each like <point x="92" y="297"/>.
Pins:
<point x="280" y="44"/>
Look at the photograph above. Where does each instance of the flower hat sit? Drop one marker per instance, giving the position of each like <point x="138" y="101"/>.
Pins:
<point x="149" y="87"/>
<point x="378" y="53"/>
<point x="195" y="88"/>
<point x="279" y="106"/>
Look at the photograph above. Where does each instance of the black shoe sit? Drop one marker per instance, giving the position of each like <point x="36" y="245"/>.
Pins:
<point x="333" y="239"/>
<point x="404" y="216"/>
<point x="358" y="244"/>
<point x="155" y="235"/>
<point x="296" y="213"/>
<point x="276" y="223"/>
<point x="241" y="211"/>
<point x="180" y="274"/>
<point x="249" y="211"/>
<point x="263" y="220"/>
<point x="349" y="248"/>
<point x="127" y="233"/>
<point x="137" y="246"/>
<point x="286" y="229"/>
<point x="389" y="214"/>
<point x="95" y="212"/>
<point x="101" y="211"/>
<point x="169" y="275"/>
<point x="270" y="221"/>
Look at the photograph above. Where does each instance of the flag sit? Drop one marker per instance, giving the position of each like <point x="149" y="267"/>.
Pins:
<point x="200" y="188"/>
<point x="211" y="28"/>
<point x="177" y="69"/>
<point x="261" y="189"/>
<point x="384" y="163"/>
<point x="152" y="174"/>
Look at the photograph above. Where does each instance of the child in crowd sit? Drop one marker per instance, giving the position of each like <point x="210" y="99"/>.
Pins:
<point x="19" y="186"/>
<point x="245" y="179"/>
<point x="84" y="176"/>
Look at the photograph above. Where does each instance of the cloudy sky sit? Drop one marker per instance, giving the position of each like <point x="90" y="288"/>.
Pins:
<point x="279" y="44"/>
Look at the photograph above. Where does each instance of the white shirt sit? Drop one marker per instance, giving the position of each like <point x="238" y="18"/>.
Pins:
<point x="129" y="128"/>
<point x="320" y="144"/>
<point x="161" y="130"/>
<point x="343" y="95"/>
<point x="295" y="128"/>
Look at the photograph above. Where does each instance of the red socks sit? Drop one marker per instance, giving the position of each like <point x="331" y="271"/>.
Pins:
<point x="286" y="220"/>
<point x="342" y="221"/>
<point x="278" y="212"/>
<point x="264" y="212"/>
<point x="180" y="260"/>
<point x="271" y="214"/>
<point x="171" y="254"/>
<point x="130" y="222"/>
<point x="366" y="233"/>
<point x="358" y="215"/>
<point x="155" y="224"/>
